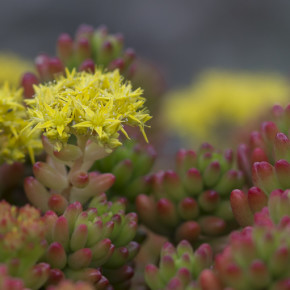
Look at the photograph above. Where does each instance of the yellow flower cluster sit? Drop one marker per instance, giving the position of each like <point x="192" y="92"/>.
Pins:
<point x="222" y="99"/>
<point x="83" y="104"/>
<point x="15" y="144"/>
<point x="13" y="67"/>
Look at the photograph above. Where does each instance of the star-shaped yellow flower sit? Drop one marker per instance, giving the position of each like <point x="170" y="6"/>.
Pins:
<point x="95" y="105"/>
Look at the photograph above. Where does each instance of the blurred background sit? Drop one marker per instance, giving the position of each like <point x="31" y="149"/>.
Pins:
<point x="186" y="39"/>
<point x="184" y="36"/>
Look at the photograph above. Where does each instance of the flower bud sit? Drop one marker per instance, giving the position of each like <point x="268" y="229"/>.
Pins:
<point x="56" y="67"/>
<point x="42" y="66"/>
<point x="27" y="82"/>
<point x="87" y="65"/>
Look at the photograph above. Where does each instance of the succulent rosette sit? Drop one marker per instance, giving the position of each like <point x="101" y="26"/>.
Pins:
<point x="82" y="241"/>
<point x="180" y="267"/>
<point x="269" y="144"/>
<point x="257" y="258"/>
<point x="265" y="161"/>
<point x="192" y="202"/>
<point x="129" y="164"/>
<point x="255" y="205"/>
<point x="22" y="244"/>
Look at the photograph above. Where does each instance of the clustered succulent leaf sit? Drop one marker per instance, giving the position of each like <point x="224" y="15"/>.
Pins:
<point x="7" y="282"/>
<point x="78" y="238"/>
<point x="129" y="164"/>
<point x="193" y="201"/>
<point x="257" y="258"/>
<point x="22" y="243"/>
<point x="81" y="241"/>
<point x="270" y="144"/>
<point x="64" y="178"/>
<point x="180" y="267"/>
<point x="90" y="49"/>
<point x="265" y="161"/>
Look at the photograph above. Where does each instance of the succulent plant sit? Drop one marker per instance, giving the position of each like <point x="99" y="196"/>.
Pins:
<point x="22" y="244"/>
<point x="245" y="206"/>
<point x="80" y="241"/>
<point x="180" y="267"/>
<point x="270" y="143"/>
<point x="129" y="164"/>
<point x="257" y="258"/>
<point x="54" y="186"/>
<point x="7" y="282"/>
<point x="89" y="49"/>
<point x="192" y="202"/>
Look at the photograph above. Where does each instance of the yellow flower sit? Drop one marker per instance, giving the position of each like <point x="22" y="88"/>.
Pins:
<point x="219" y="101"/>
<point x="83" y="104"/>
<point x="13" y="67"/>
<point x="15" y="144"/>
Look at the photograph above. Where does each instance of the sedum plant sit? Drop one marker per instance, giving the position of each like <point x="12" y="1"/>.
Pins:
<point x="76" y="109"/>
<point x="7" y="282"/>
<point x="256" y="258"/>
<point x="22" y="244"/>
<point x="246" y="205"/>
<point x="192" y="202"/>
<point x="89" y="50"/>
<point x="129" y="164"/>
<point x="180" y="267"/>
<point x="80" y="241"/>
<point x="269" y="144"/>
<point x="80" y="115"/>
